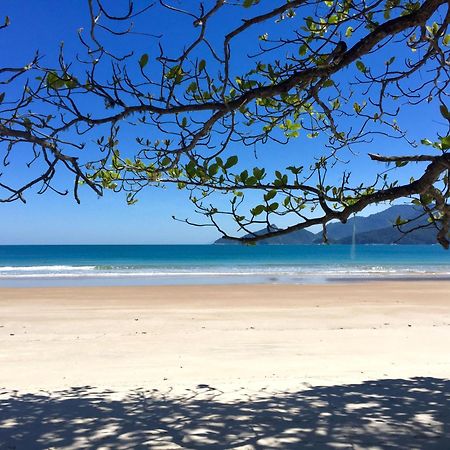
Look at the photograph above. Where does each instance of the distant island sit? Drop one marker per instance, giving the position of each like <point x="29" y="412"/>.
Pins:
<point x="374" y="229"/>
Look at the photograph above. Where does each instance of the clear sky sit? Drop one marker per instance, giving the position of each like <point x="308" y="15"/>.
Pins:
<point x="53" y="219"/>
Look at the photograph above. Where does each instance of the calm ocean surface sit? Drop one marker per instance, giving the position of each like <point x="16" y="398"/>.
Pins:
<point x="57" y="265"/>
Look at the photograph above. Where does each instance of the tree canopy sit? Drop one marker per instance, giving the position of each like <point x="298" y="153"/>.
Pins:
<point x="126" y="110"/>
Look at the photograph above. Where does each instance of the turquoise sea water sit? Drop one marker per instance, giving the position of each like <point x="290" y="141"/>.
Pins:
<point x="49" y="265"/>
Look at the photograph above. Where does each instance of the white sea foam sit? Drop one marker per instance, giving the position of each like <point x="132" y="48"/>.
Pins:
<point x="103" y="272"/>
<point x="44" y="268"/>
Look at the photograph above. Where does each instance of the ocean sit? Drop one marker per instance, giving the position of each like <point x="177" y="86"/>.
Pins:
<point x="87" y="265"/>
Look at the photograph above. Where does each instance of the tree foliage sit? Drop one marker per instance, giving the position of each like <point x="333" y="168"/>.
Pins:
<point x="339" y="72"/>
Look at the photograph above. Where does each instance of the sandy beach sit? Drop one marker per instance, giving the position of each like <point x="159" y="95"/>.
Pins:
<point x="363" y="365"/>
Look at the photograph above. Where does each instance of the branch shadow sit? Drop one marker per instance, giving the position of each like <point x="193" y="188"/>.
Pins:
<point x="386" y="414"/>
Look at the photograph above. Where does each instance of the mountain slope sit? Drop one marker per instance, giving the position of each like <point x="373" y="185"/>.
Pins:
<point x="296" y="237"/>
<point x="378" y="221"/>
<point x="391" y="235"/>
<point x="375" y="229"/>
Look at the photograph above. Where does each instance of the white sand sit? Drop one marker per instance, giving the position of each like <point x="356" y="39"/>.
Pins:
<point x="229" y="344"/>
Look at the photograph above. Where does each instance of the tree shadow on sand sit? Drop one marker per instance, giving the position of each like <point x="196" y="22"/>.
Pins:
<point x="400" y="414"/>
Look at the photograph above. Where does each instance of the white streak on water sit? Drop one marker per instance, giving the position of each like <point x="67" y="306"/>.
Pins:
<point x="102" y="272"/>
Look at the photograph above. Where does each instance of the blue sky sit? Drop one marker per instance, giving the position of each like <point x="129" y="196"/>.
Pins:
<point x="54" y="219"/>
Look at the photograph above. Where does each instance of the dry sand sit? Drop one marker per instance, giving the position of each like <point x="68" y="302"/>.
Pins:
<point x="268" y="366"/>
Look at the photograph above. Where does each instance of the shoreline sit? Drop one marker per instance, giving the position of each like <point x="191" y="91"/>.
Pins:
<point x="213" y="280"/>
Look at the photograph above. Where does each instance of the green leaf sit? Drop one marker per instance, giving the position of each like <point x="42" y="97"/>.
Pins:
<point x="270" y="195"/>
<point x="166" y="161"/>
<point x="333" y="19"/>
<point x="310" y="23"/>
<point x="248" y="3"/>
<point x="361" y="67"/>
<point x="258" y="173"/>
<point x="257" y="210"/>
<point x="190" y="169"/>
<point x="201" y="65"/>
<point x="213" y="169"/>
<point x="445" y="142"/>
<point x="295" y="170"/>
<point x="54" y="81"/>
<point x="71" y="83"/>
<point x="348" y="32"/>
<point x="143" y="60"/>
<point x="274" y="206"/>
<point x="445" y="113"/>
<point x="231" y="161"/>
<point x="426" y="199"/>
<point x="251" y="181"/>
<point x="336" y="103"/>
<point x="175" y="72"/>
<point x="192" y="87"/>
<point x="390" y="61"/>
<point x="399" y="221"/>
